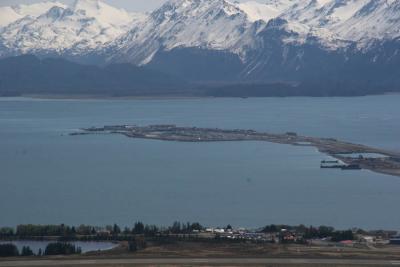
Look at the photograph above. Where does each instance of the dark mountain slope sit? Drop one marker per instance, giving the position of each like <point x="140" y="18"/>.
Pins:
<point x="31" y="75"/>
<point x="197" y="64"/>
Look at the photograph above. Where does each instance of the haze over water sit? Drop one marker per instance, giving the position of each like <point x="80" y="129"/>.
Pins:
<point x="47" y="176"/>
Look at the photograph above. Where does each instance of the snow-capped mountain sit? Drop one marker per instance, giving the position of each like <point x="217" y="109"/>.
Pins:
<point x="56" y="29"/>
<point x="9" y="14"/>
<point x="265" y="11"/>
<point x="359" y="21"/>
<point x="214" y="25"/>
<point x="276" y="39"/>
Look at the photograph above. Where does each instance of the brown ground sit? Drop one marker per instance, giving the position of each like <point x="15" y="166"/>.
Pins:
<point x="208" y="250"/>
<point x="213" y="250"/>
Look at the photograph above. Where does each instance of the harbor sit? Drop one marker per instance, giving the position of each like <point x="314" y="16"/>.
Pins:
<point x="336" y="164"/>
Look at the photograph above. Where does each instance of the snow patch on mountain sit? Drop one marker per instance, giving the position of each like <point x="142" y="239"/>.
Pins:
<point x="216" y="24"/>
<point x="10" y="14"/>
<point x="37" y="9"/>
<point x="104" y="13"/>
<point x="259" y="11"/>
<point x="340" y="22"/>
<point x="376" y="20"/>
<point x="92" y="26"/>
<point x="81" y="28"/>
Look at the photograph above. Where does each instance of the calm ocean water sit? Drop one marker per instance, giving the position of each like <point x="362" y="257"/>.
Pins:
<point x="47" y="176"/>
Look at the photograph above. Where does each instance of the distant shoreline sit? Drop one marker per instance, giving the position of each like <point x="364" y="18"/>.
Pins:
<point x="108" y="97"/>
<point x="162" y="97"/>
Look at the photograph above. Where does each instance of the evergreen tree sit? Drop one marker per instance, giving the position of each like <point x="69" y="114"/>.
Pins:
<point x="6" y="231"/>
<point x="60" y="248"/>
<point x="116" y="229"/>
<point x="138" y="229"/>
<point x="126" y="231"/>
<point x="8" y="250"/>
<point x="176" y="228"/>
<point x="26" y="251"/>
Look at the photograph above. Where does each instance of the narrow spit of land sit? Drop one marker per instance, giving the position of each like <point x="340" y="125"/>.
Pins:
<point x="387" y="163"/>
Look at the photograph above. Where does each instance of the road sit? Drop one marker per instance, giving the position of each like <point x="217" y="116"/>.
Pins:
<point x="194" y="261"/>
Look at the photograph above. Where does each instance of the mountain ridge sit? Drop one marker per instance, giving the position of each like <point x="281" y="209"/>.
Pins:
<point x="79" y="29"/>
<point x="29" y="75"/>
<point x="220" y="40"/>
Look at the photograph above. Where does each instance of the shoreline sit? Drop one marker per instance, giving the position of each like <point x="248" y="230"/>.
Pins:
<point x="165" y="97"/>
<point x="107" y="97"/>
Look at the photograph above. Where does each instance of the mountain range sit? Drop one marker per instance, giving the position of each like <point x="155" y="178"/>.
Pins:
<point x="219" y="41"/>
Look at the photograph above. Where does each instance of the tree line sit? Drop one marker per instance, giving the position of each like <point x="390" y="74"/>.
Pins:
<point x="110" y="231"/>
<point x="115" y="232"/>
<point x="313" y="232"/>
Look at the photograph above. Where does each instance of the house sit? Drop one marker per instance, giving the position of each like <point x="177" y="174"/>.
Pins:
<point x="367" y="239"/>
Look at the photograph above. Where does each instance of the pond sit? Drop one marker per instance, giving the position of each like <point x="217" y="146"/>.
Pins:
<point x="85" y="246"/>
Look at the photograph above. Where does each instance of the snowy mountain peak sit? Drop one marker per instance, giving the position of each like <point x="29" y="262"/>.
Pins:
<point x="90" y="8"/>
<point x="88" y="5"/>
<point x="243" y="29"/>
<point x="103" y="12"/>
<point x="36" y="9"/>
<point x="216" y="24"/>
<point x="10" y="14"/>
<point x="264" y="11"/>
<point x="199" y="8"/>
<point x="53" y="28"/>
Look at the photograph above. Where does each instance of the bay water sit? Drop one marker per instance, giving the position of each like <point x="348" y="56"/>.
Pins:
<point x="50" y="177"/>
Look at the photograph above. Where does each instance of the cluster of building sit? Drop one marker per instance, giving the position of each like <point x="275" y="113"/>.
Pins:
<point x="370" y="238"/>
<point x="244" y="234"/>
